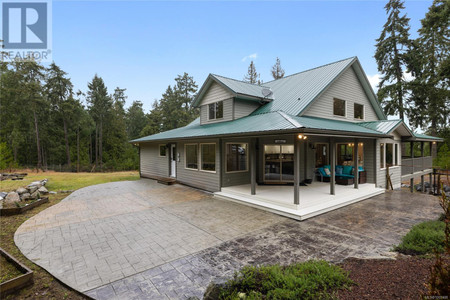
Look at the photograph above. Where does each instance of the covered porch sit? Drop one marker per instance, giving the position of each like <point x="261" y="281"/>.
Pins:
<point x="315" y="199"/>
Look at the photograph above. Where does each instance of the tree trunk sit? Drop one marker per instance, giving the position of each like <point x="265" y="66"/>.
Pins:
<point x="96" y="145"/>
<point x="90" y="148"/>
<point x="101" y="145"/>
<point x="38" y="143"/>
<point x="78" y="149"/>
<point x="66" y="137"/>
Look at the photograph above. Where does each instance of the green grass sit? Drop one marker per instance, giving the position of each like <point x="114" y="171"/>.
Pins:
<point x="423" y="238"/>
<point x="68" y="181"/>
<point x="7" y="271"/>
<point x="308" y="280"/>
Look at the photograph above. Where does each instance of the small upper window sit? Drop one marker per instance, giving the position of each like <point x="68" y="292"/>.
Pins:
<point x="215" y="110"/>
<point x="359" y="111"/>
<point x="162" y="150"/>
<point x="339" y="107"/>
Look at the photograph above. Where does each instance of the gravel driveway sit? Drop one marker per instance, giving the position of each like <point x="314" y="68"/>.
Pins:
<point x="143" y="240"/>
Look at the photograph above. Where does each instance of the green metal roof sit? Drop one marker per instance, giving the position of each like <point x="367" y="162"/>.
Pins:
<point x="269" y="122"/>
<point x="420" y="136"/>
<point x="384" y="126"/>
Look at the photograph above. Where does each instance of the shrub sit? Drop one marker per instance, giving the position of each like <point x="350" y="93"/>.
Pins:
<point x="423" y="238"/>
<point x="308" y="280"/>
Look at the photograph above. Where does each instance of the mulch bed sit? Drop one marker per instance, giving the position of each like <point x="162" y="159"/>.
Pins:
<point x="403" y="278"/>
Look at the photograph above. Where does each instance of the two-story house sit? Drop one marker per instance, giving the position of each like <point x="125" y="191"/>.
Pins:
<point x="291" y="145"/>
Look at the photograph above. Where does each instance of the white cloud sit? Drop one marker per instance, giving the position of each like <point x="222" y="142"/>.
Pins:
<point x="251" y="56"/>
<point x="374" y="80"/>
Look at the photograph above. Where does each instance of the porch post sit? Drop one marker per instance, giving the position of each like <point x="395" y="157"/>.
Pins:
<point x="355" y="163"/>
<point x="297" y="171"/>
<point x="422" y="183"/>
<point x="253" y="166"/>
<point x="332" y="166"/>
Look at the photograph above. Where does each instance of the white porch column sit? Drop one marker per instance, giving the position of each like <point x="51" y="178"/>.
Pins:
<point x="332" y="166"/>
<point x="355" y="163"/>
<point x="252" y="146"/>
<point x="297" y="170"/>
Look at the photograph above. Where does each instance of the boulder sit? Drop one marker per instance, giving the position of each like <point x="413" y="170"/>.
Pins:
<point x="25" y="196"/>
<point x="35" y="183"/>
<point x="3" y="195"/>
<point x="11" y="198"/>
<point x="32" y="189"/>
<point x="21" y="190"/>
<point x="43" y="190"/>
<point x="35" y="195"/>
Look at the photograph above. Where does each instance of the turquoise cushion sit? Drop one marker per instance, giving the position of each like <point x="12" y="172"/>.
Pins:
<point x="361" y="168"/>
<point x="339" y="170"/>
<point x="327" y="167"/>
<point x="347" y="170"/>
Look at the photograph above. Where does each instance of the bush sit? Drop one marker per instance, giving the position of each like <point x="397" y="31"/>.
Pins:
<point x="308" y="280"/>
<point x="423" y="238"/>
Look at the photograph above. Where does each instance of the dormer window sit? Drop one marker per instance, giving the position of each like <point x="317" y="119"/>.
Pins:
<point x="215" y="110"/>
<point x="339" y="107"/>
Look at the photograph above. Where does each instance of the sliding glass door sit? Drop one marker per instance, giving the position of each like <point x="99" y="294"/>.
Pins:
<point x="278" y="163"/>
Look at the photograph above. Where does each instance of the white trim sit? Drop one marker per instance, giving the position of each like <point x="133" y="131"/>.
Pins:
<point x="345" y="108"/>
<point x="215" y="111"/>
<point x="201" y="161"/>
<point x="246" y="158"/>
<point x="185" y="161"/>
<point x="159" y="150"/>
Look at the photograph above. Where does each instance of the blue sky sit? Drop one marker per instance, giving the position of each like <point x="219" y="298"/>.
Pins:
<point x="143" y="45"/>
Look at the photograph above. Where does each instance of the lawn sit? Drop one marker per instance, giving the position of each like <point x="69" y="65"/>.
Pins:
<point x="46" y="286"/>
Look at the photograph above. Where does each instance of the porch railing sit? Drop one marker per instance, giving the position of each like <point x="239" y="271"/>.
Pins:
<point x="412" y="165"/>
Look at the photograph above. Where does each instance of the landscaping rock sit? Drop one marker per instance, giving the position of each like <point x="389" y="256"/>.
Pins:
<point x="1" y="203"/>
<point x="35" y="183"/>
<point x="35" y="195"/>
<point x="11" y="198"/>
<point x="43" y="190"/>
<point x="52" y="192"/>
<point x="21" y="190"/>
<point x="32" y="189"/>
<point x="25" y="196"/>
<point x="213" y="291"/>
<point x="3" y="195"/>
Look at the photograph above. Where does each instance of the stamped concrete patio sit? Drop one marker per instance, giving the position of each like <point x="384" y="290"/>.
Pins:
<point x="143" y="240"/>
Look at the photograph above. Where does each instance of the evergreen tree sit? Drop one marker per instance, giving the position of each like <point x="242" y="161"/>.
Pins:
<point x="391" y="56"/>
<point x="277" y="70"/>
<point x="153" y="121"/>
<point x="185" y="90"/>
<point x="58" y="89"/>
<point x="252" y="76"/>
<point x="429" y="64"/>
<point x="135" y="119"/>
<point x="100" y="104"/>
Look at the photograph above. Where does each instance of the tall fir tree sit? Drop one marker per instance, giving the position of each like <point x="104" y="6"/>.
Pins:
<point x="277" y="71"/>
<point x="185" y="89"/>
<point x="135" y="119"/>
<point x="391" y="56"/>
<point x="430" y="66"/>
<point x="252" y="76"/>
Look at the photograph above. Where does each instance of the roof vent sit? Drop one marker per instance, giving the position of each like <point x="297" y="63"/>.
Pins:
<point x="267" y="92"/>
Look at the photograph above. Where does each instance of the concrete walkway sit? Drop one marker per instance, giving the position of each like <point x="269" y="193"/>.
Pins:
<point x="143" y="240"/>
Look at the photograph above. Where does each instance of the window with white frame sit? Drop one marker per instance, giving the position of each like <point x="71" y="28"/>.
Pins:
<point x="208" y="157"/>
<point x="358" y="111"/>
<point x="236" y="157"/>
<point x="382" y="156"/>
<point x="215" y="110"/>
<point x="389" y="154"/>
<point x="191" y="156"/>
<point x="162" y="150"/>
<point x="339" y="107"/>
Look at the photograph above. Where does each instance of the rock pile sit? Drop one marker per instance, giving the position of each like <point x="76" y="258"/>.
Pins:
<point x="32" y="191"/>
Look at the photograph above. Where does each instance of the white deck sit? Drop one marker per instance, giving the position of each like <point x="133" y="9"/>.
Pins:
<point x="315" y="198"/>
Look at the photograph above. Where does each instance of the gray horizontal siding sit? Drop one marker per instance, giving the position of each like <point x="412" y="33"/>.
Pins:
<point x="215" y="93"/>
<point x="347" y="87"/>
<point x="369" y="160"/>
<point x="227" y="113"/>
<point x="244" y="108"/>
<point x="151" y="164"/>
<point x="204" y="180"/>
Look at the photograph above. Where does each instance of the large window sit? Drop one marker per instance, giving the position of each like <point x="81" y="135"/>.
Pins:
<point x="162" y="150"/>
<point x="359" y="111"/>
<point x="389" y="154"/>
<point x="191" y="156"/>
<point x="345" y="154"/>
<point x="236" y="156"/>
<point x="208" y="157"/>
<point x="215" y="110"/>
<point x="339" y="107"/>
